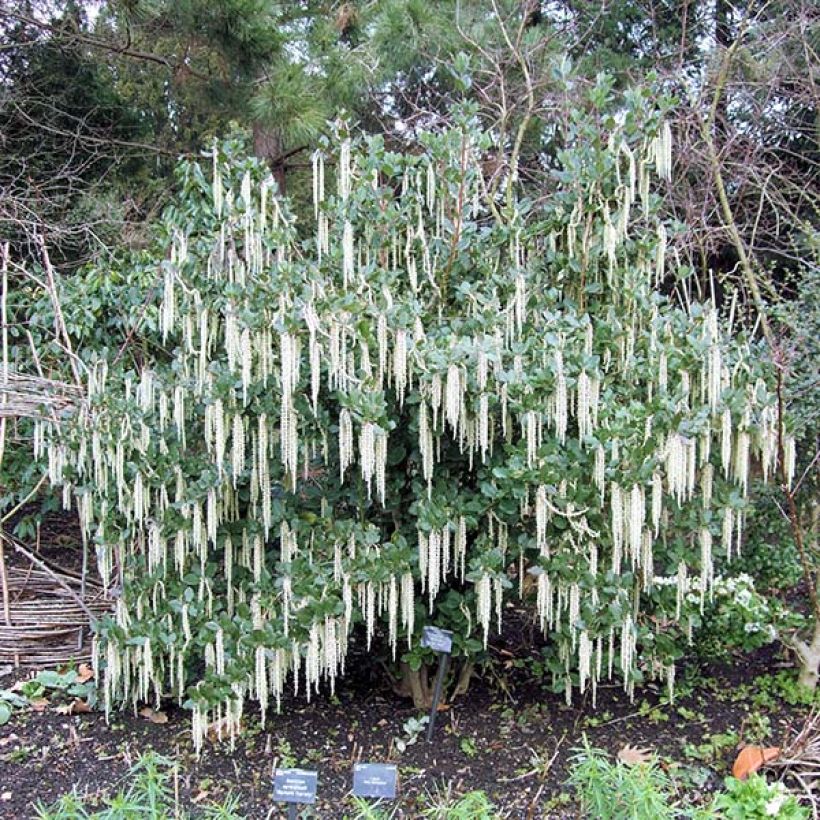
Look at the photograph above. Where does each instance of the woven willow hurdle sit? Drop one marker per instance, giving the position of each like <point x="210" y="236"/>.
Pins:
<point x="48" y="621"/>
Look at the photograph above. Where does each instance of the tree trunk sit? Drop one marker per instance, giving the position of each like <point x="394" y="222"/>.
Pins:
<point x="464" y="676"/>
<point x="415" y="683"/>
<point x="267" y="146"/>
<point x="809" y="655"/>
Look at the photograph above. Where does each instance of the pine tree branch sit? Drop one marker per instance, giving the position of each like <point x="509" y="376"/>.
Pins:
<point x="124" y="50"/>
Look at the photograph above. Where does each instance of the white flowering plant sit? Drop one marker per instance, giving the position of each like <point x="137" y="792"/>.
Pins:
<point x="755" y="799"/>
<point x="739" y="617"/>
<point x="428" y="400"/>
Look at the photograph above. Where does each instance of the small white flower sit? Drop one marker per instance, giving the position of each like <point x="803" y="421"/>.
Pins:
<point x="774" y="805"/>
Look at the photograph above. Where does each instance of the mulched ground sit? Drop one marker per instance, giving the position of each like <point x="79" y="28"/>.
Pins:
<point x="509" y="736"/>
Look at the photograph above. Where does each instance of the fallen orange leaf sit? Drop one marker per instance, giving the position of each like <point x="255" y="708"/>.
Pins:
<point x="751" y="758"/>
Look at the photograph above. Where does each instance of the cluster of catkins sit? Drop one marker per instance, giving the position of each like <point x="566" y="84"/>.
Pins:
<point x="312" y="455"/>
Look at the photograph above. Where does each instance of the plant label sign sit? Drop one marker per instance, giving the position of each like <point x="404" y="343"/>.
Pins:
<point x="439" y="640"/>
<point x="294" y="786"/>
<point x="375" y="780"/>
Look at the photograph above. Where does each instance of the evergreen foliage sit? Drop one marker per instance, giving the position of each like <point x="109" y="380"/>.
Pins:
<point x="434" y="399"/>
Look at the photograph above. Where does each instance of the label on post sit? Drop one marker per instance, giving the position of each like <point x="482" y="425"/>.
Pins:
<point x="294" y="786"/>
<point x="439" y="640"/>
<point x="375" y="780"/>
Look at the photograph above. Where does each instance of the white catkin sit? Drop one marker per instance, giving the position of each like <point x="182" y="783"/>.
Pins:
<point x="430" y="197"/>
<point x="318" y="181"/>
<point x="617" y="526"/>
<point x="408" y="606"/>
<point x="367" y="452"/>
<point x="238" y="447"/>
<point x="706" y="485"/>
<point x="532" y="427"/>
<point x="599" y="470"/>
<point x="740" y="467"/>
<point x="460" y="546"/>
<point x="426" y="446"/>
<point x="381" y="465"/>
<point x="315" y="374"/>
<point x="433" y="566"/>
<point x="660" y="255"/>
<point x="381" y="337"/>
<point x="715" y="368"/>
<point x="392" y="615"/>
<point x="453" y="397"/>
<point x="484" y="604"/>
<point x="727" y="530"/>
<point x="584" y="406"/>
<point x="790" y="457"/>
<point x="481" y="370"/>
<point x="400" y="364"/>
<point x="627" y="648"/>
<point x="345" y="441"/>
<point x="348" y="253"/>
<point x="541" y="519"/>
<point x="726" y="441"/>
<point x="498" y="589"/>
<point x="707" y="570"/>
<point x="663" y="375"/>
<point x="561" y="414"/>
<point x="423" y="557"/>
<point x="637" y="513"/>
<point x="484" y="425"/>
<point x="344" y="177"/>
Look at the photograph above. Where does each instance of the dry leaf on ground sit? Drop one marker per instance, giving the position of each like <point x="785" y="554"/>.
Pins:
<point x="155" y="717"/>
<point x="77" y="707"/>
<point x="632" y="755"/>
<point x="220" y="729"/>
<point x="84" y="673"/>
<point x="751" y="758"/>
<point x="80" y="707"/>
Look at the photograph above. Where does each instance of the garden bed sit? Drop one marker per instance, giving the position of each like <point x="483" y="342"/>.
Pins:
<point x="509" y="737"/>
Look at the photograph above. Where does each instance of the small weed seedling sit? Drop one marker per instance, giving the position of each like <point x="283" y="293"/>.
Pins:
<point x="413" y="727"/>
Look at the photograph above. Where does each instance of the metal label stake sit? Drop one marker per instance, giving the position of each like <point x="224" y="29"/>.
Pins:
<point x="294" y="786"/>
<point x="441" y="642"/>
<point x="377" y="780"/>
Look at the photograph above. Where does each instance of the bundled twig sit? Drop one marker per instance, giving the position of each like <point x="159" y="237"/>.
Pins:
<point x="800" y="759"/>
<point x="24" y="396"/>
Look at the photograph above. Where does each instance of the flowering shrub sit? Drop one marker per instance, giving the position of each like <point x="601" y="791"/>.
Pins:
<point x="425" y="402"/>
<point x="756" y="799"/>
<point x="740" y="617"/>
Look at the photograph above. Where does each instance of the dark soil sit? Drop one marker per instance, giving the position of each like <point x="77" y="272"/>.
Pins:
<point x="510" y="736"/>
